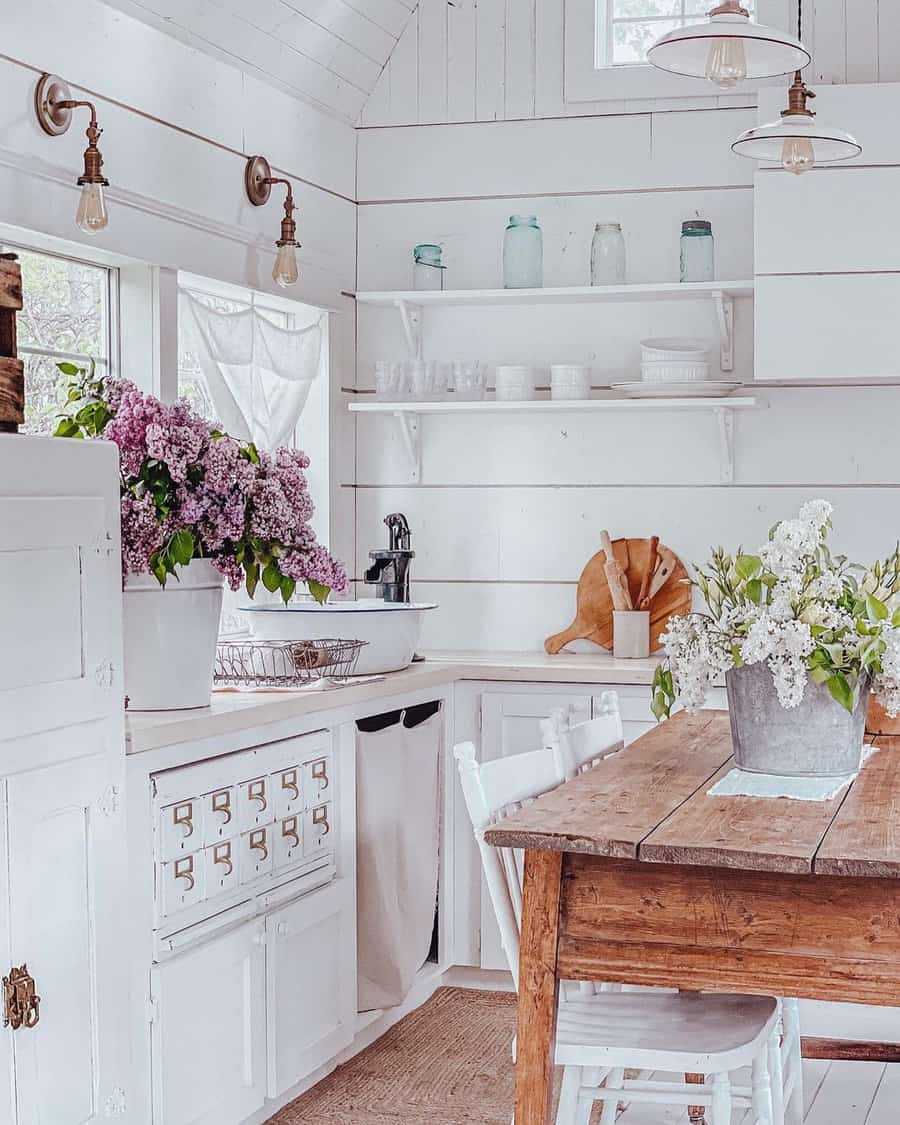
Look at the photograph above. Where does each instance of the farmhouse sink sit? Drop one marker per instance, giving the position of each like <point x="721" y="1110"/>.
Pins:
<point x="392" y="629"/>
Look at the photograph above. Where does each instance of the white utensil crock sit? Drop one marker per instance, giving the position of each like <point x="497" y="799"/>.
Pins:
<point x="631" y="633"/>
<point x="170" y="637"/>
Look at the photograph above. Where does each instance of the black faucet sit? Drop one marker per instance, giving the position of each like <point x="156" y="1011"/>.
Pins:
<point x="389" y="572"/>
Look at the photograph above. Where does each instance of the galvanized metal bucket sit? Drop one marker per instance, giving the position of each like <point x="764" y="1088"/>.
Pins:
<point x="819" y="738"/>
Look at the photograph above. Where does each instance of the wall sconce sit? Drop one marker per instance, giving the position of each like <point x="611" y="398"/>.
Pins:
<point x="53" y="104"/>
<point x="258" y="181"/>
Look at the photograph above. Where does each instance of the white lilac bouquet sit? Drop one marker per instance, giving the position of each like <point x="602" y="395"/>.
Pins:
<point x="808" y="614"/>
<point x="190" y="491"/>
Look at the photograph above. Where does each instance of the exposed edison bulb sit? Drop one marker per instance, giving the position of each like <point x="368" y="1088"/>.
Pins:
<point x="798" y="155"/>
<point x="285" y="271"/>
<point x="92" y="215"/>
<point x="726" y="63"/>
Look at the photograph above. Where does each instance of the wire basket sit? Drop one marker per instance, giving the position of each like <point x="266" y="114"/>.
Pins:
<point x="284" y="664"/>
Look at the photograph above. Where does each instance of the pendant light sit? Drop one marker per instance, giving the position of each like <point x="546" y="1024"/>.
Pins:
<point x="797" y="139"/>
<point x="727" y="48"/>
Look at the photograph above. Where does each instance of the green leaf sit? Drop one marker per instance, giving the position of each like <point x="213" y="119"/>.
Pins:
<point x="252" y="572"/>
<point x="288" y="586"/>
<point x="819" y="675"/>
<point x="876" y="610"/>
<point x="660" y="707"/>
<point x="747" y="566"/>
<point x="319" y="591"/>
<point x="841" y="691"/>
<point x="69" y="369"/>
<point x="182" y="547"/>
<point x="67" y="428"/>
<point x="754" y="590"/>
<point x="272" y="577"/>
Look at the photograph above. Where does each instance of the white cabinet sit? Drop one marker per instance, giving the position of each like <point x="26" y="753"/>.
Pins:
<point x="209" y="1031"/>
<point x="62" y="875"/>
<point x="311" y="997"/>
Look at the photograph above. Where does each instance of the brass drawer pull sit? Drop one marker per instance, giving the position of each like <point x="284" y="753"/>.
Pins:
<point x="21" y="1004"/>
<point x="221" y="803"/>
<point x="256" y="791"/>
<point x="289" y="782"/>
<point x="184" y="815"/>
<point x="222" y="854"/>
<point x="289" y="830"/>
<point x="184" y="869"/>
<point x="320" y="773"/>
<point x="258" y="842"/>
<point x="320" y="816"/>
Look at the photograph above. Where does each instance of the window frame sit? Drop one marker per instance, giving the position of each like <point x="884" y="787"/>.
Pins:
<point x="584" y="82"/>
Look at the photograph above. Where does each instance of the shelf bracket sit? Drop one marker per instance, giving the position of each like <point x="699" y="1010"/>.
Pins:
<point x="724" y="304"/>
<point x="725" y="419"/>
<point x="411" y="431"/>
<point x="411" y="315"/>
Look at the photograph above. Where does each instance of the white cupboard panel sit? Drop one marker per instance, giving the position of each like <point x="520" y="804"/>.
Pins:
<point x="311" y="985"/>
<point x="7" y="1077"/>
<point x="827" y="327"/>
<point x="63" y="823"/>
<point x="209" y="1034"/>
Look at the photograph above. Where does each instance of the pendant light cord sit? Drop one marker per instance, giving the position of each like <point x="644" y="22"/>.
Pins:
<point x="800" y="20"/>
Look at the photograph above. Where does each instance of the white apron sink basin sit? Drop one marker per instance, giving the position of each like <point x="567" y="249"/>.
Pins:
<point x="392" y="629"/>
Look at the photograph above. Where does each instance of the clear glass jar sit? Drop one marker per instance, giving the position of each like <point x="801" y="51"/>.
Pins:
<point x="698" y="256"/>
<point x="523" y="253"/>
<point x="608" y="255"/>
<point x="428" y="273"/>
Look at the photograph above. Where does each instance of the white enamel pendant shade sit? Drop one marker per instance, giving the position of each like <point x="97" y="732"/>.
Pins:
<point x="728" y="48"/>
<point x="767" y="142"/>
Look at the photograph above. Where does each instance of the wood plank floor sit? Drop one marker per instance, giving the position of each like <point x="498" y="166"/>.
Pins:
<point x="837" y="1093"/>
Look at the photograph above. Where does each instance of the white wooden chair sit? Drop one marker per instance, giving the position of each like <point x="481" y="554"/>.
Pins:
<point x="600" y="1035"/>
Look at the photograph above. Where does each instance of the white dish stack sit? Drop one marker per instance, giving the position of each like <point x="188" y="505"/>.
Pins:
<point x="514" y="382"/>
<point x="674" y="360"/>
<point x="570" y="381"/>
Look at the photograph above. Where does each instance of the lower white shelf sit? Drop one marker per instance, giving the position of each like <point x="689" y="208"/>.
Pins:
<point x="408" y="415"/>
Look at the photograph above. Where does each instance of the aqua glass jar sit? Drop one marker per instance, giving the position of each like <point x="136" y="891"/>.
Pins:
<point x="428" y="272"/>
<point x="523" y="253"/>
<point x="698" y="255"/>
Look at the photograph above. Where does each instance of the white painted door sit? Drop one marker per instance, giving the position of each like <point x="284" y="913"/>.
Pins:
<point x="511" y="724"/>
<point x="209" y="1031"/>
<point x="311" y="983"/>
<point x="64" y="881"/>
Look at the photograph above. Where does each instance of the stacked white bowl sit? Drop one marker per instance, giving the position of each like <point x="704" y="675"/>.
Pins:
<point x="514" y="382"/>
<point x="570" y="381"/>
<point x="674" y="360"/>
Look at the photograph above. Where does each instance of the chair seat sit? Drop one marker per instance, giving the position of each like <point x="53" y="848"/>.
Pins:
<point x="702" y="1032"/>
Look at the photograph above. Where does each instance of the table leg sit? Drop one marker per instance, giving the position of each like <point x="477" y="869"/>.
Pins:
<point x="696" y="1113"/>
<point x="538" y="987"/>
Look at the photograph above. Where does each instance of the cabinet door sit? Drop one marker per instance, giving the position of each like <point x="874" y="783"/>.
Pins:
<point x="311" y="983"/>
<point x="209" y="1031"/>
<point x="511" y="724"/>
<point x="66" y="850"/>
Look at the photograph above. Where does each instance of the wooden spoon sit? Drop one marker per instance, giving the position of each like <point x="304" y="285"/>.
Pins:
<point x="643" y="597"/>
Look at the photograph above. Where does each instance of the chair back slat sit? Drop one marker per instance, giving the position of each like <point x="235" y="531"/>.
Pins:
<point x="582" y="746"/>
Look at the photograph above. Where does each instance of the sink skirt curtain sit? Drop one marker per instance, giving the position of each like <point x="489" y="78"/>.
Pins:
<point x="397" y="853"/>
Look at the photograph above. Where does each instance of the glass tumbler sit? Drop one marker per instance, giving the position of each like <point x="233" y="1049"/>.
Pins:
<point x="468" y="380"/>
<point x="421" y="379"/>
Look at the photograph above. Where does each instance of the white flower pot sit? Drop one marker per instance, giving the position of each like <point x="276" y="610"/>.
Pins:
<point x="170" y="637"/>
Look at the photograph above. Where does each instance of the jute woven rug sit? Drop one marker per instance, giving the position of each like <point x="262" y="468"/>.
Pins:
<point x="448" y="1062"/>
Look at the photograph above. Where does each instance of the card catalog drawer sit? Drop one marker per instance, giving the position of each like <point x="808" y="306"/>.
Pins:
<point x="288" y="841"/>
<point x="181" y="883"/>
<point x="219" y="815"/>
<point x="180" y="828"/>
<point x="287" y="791"/>
<point x="318" y="780"/>
<point x="256" y="853"/>
<point x="222" y="868"/>
<point x="317" y="834"/>
<point x="255" y="807"/>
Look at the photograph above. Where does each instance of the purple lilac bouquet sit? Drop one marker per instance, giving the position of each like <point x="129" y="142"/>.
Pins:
<point x="190" y="491"/>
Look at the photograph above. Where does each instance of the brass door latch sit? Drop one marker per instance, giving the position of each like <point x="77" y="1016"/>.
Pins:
<point x="21" y="1004"/>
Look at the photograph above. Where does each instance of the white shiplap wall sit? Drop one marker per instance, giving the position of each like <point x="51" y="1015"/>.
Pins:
<point x="509" y="509"/>
<point x="485" y="60"/>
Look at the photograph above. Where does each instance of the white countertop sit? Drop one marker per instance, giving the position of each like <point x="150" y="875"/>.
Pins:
<point x="231" y="711"/>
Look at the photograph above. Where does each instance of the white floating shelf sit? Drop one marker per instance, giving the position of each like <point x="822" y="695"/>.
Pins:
<point x="412" y="303"/>
<point x="408" y="415"/>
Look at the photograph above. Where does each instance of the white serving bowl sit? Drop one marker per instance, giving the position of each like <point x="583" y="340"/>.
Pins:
<point x="675" y="349"/>
<point x="570" y="381"/>
<point x="674" y="372"/>
<point x="514" y="382"/>
<point x="392" y="629"/>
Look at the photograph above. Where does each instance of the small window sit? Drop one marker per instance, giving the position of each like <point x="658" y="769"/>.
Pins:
<point x="626" y="28"/>
<point x="67" y="315"/>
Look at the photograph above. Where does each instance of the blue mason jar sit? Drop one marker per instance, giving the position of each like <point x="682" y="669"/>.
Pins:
<point x="523" y="253"/>
<point x="698" y="255"/>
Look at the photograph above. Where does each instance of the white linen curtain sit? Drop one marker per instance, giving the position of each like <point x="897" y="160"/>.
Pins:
<point x="258" y="374"/>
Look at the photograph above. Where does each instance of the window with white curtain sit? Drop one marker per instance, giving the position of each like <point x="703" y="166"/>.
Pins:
<point x="626" y="28"/>
<point x="68" y="314"/>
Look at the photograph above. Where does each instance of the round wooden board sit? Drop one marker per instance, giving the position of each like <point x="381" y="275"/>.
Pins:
<point x="594" y="615"/>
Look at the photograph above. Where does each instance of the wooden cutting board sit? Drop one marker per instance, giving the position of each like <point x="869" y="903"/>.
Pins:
<point x="594" y="612"/>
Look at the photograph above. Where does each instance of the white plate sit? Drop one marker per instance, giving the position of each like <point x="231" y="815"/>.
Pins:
<point x="706" y="388"/>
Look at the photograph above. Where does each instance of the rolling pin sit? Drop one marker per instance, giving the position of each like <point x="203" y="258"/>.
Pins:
<point x="615" y="576"/>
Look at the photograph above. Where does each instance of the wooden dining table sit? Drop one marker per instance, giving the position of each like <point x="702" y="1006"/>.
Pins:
<point x="633" y="874"/>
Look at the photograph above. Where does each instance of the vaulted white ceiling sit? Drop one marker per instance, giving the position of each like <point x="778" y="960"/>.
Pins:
<point x="329" y="52"/>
